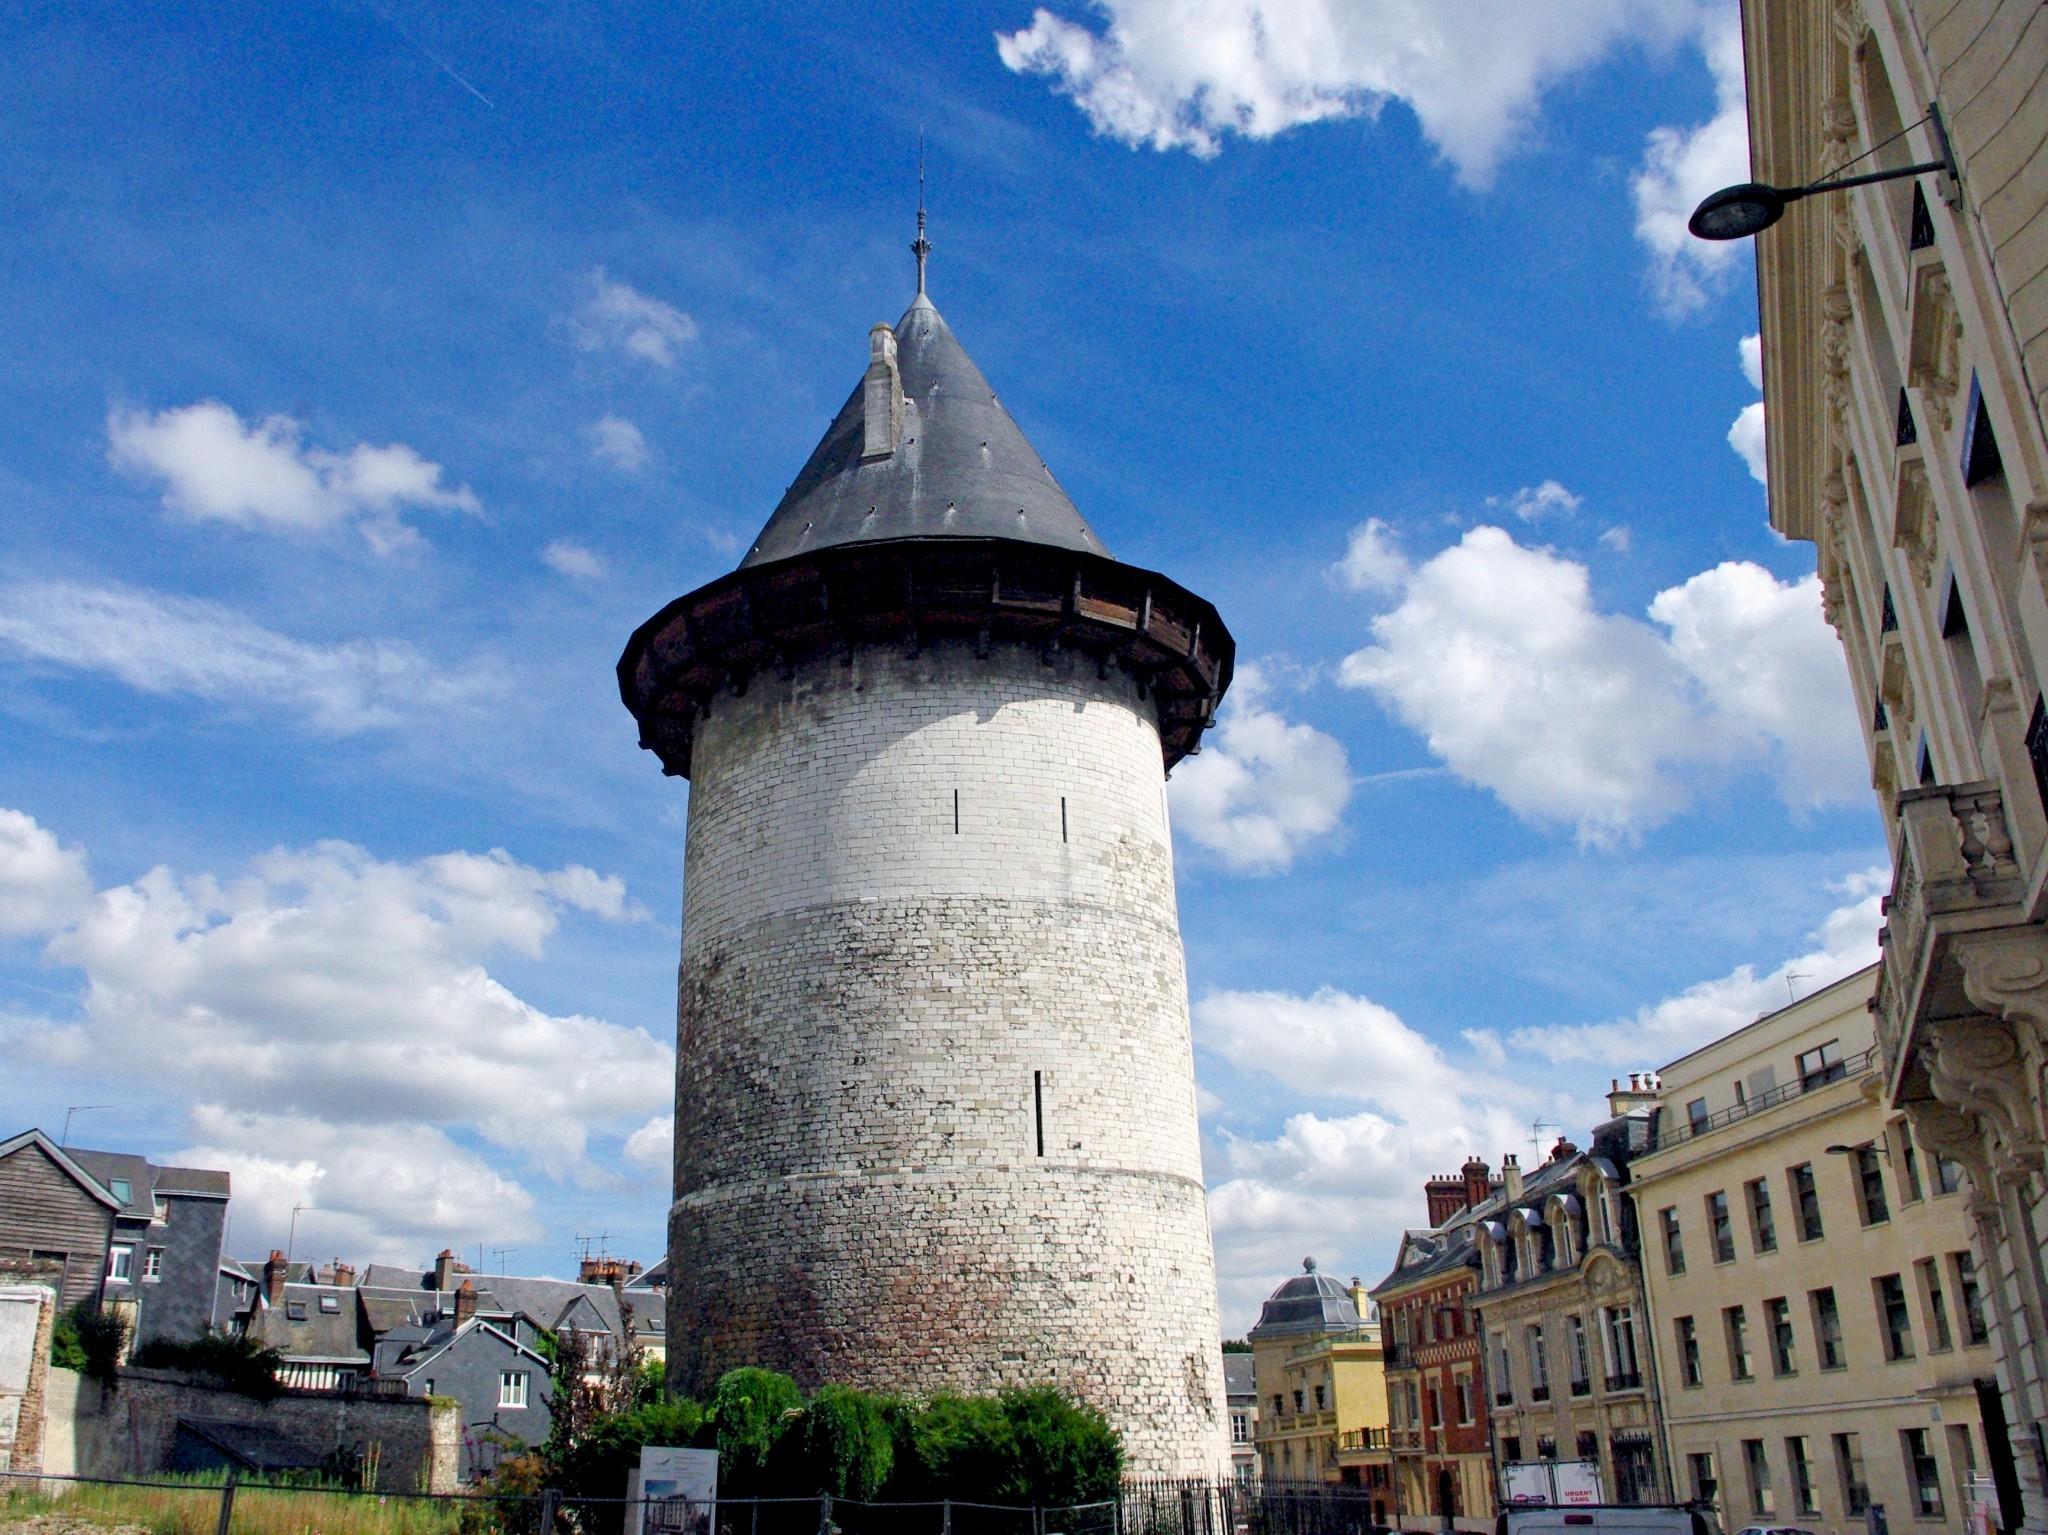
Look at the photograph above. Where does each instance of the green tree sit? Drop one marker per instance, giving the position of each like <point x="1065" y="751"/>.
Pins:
<point x="1061" y="1452"/>
<point x="751" y="1412"/>
<point x="844" y="1443"/>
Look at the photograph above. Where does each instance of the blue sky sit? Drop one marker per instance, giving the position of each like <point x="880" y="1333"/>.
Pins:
<point x="372" y="370"/>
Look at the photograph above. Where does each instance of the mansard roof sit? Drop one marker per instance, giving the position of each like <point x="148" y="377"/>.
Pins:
<point x="959" y="466"/>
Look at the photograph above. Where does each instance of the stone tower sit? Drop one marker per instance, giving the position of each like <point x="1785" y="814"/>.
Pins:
<point x="935" y="1102"/>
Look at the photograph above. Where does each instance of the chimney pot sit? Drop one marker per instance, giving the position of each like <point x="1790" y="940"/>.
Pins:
<point x="274" y="1271"/>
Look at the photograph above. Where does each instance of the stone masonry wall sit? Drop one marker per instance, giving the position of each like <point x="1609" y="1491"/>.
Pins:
<point x="928" y="927"/>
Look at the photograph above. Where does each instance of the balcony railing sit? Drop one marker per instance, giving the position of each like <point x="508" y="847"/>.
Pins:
<point x="1582" y="1388"/>
<point x="1836" y="1071"/>
<point x="1627" y="1380"/>
<point x="1539" y="1393"/>
<point x="1398" y="1356"/>
<point x="1362" y="1439"/>
<point x="1503" y="1399"/>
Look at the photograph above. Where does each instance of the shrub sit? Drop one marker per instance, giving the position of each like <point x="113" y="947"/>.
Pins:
<point x="89" y="1340"/>
<point x="751" y="1412"/>
<point x="237" y="1362"/>
<point x="1061" y="1451"/>
<point x="595" y="1466"/>
<point x="844" y="1443"/>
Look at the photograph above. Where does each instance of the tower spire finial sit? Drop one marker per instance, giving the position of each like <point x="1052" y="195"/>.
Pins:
<point x="920" y="247"/>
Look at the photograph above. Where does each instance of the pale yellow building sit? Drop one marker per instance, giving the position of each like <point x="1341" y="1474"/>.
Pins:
<point x="1322" y="1385"/>
<point x="1820" y="1324"/>
<point x="1905" y="355"/>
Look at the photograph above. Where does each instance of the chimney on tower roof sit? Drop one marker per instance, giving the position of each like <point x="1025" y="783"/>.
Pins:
<point x="881" y="397"/>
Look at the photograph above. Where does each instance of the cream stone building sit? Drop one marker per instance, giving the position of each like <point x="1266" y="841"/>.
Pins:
<point x="1322" y="1384"/>
<point x="1560" y="1308"/>
<point x="1905" y="352"/>
<point x="1822" y="1339"/>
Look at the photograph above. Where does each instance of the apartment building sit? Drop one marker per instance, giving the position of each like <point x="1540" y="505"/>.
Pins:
<point x="1822" y="1343"/>
<point x="1322" y="1385"/>
<point x="1905" y="356"/>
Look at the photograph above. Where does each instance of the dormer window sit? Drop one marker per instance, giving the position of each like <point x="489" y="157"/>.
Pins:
<point x="295" y="1310"/>
<point x="120" y="1189"/>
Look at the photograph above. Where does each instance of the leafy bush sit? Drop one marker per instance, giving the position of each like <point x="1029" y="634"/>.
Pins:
<point x="596" y="1465"/>
<point x="1061" y="1451"/>
<point x="844" y="1443"/>
<point x="237" y="1362"/>
<point x="961" y="1447"/>
<point x="751" y="1412"/>
<point x="89" y="1340"/>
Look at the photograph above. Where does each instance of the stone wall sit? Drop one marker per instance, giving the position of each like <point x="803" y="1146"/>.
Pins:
<point x="128" y="1431"/>
<point x="27" y="1312"/>
<point x="935" y="1092"/>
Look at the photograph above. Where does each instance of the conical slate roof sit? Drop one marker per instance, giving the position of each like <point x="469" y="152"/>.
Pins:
<point x="961" y="469"/>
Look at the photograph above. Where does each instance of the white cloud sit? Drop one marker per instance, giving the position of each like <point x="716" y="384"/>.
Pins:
<point x="1498" y="657"/>
<point x="214" y="467"/>
<point x="573" y="560"/>
<point x="653" y="1145"/>
<point x="1746" y="436"/>
<point x="43" y="886"/>
<point x="1845" y="942"/>
<point x="617" y="317"/>
<point x="616" y="441"/>
<point x="1617" y="538"/>
<point x="180" y="645"/>
<point x="1535" y="501"/>
<point x="1172" y="75"/>
<point x="1344" y="1185"/>
<point x="1372" y="561"/>
<point x="391" y="1194"/>
<point x="1682" y="165"/>
<point x="1262" y="789"/>
<point x="328" y="987"/>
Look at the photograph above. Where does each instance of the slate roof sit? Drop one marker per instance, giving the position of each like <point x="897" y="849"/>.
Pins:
<point x="962" y="467"/>
<point x="393" y="1296"/>
<point x="145" y="1179"/>
<point x="1307" y="1304"/>
<point x="320" y="1336"/>
<point x="1239" y="1376"/>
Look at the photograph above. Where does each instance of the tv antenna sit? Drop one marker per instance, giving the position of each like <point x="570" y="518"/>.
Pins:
<point x="1791" y="976"/>
<point x="1536" y="1129"/>
<point x="78" y="1108"/>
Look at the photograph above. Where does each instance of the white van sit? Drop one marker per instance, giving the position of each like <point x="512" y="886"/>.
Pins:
<point x="1602" y="1519"/>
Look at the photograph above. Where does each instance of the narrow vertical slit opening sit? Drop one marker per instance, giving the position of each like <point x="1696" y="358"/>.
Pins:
<point x="1063" y="818"/>
<point x="1038" y="1107"/>
<point x="956" y="812"/>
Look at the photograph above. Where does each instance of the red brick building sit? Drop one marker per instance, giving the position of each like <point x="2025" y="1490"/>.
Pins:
<point x="1436" y="1387"/>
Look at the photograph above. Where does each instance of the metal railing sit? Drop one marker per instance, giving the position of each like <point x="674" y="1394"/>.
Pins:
<point x="1678" y="1132"/>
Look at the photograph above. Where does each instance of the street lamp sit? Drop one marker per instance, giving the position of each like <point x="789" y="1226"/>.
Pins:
<point x="1739" y="211"/>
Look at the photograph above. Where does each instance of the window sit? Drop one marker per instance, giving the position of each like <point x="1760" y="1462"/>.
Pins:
<point x="1706" y="1486"/>
<point x="153" y="1264"/>
<point x="1735" y="1321"/>
<point x="1696" y="1115"/>
<point x="1674" y="1242"/>
<point x="1935" y="1302"/>
<point x="1588" y="1445"/>
<point x="1688" y="1351"/>
<point x="295" y="1310"/>
<point x="1546" y="1447"/>
<point x="1763" y="1225"/>
<point x="1320" y="1403"/>
<point x="1909" y="1163"/>
<point x="121" y="1190"/>
<point x="1893" y="1316"/>
<point x="1948" y="1176"/>
<point x="1758" y="1467"/>
<point x="1799" y="1471"/>
<point x="1972" y="1295"/>
<point x="1240" y="1428"/>
<point x="1778" y="1318"/>
<point x="120" y="1263"/>
<point x="512" y="1388"/>
<point x="330" y="1305"/>
<point x="1720" y="1229"/>
<point x="1539" y="1366"/>
<point x="1464" y="1399"/>
<point x="1849" y="1464"/>
<point x="1821" y="1065"/>
<point x="1870" y="1186"/>
<point x="1581" y="1355"/>
<point x="1504" y="1382"/>
<point x="1300" y="1400"/>
<point x="1279" y="1405"/>
<point x="1625" y="1372"/>
<point x="1807" y="1198"/>
<point x="1511" y="1447"/>
<point x="1922" y="1474"/>
<point x="1827" y="1329"/>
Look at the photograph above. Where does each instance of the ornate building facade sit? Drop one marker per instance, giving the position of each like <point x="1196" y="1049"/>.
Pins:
<point x="1316" y="1353"/>
<point x="1905" y="351"/>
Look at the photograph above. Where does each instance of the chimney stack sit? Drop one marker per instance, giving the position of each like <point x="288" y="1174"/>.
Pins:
<point x="1644" y="1091"/>
<point x="444" y="1270"/>
<point x="274" y="1270"/>
<point x="1360" y="1299"/>
<point x="344" y="1274"/>
<point x="1478" y="1182"/>
<point x="1511" y="1177"/>
<point x="881" y="394"/>
<point x="465" y="1302"/>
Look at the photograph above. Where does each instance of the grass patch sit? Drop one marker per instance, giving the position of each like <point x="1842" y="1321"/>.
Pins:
<point x="192" y="1507"/>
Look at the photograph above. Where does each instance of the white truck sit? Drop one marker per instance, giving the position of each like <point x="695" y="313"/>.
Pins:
<point x="1601" y="1519"/>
